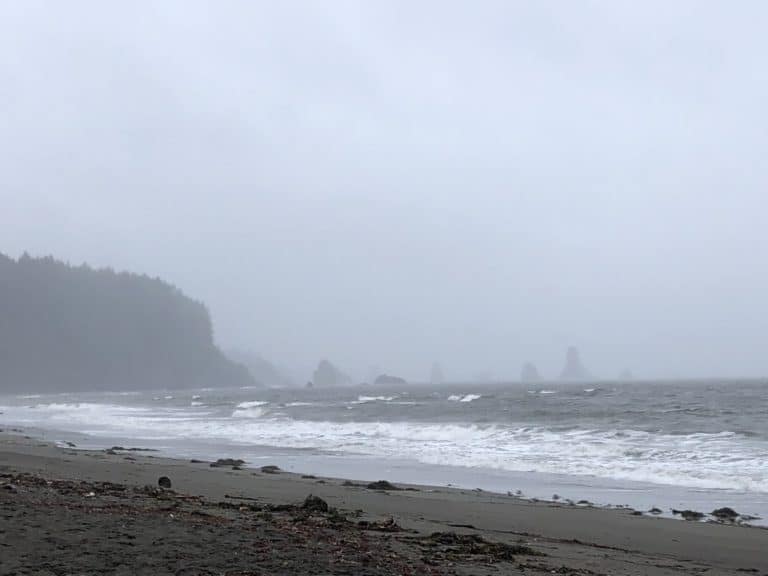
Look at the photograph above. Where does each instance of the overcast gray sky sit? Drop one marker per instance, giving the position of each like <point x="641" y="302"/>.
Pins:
<point x="393" y="183"/>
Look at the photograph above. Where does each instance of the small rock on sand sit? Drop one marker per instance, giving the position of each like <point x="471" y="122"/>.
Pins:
<point x="227" y="462"/>
<point x="691" y="515"/>
<point x="726" y="514"/>
<point x="382" y="485"/>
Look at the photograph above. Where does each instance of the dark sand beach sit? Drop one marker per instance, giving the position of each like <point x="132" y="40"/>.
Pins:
<point x="67" y="511"/>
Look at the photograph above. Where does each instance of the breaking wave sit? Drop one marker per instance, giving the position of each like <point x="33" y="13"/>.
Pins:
<point x="465" y="398"/>
<point x="366" y="399"/>
<point x="252" y="404"/>
<point x="724" y="460"/>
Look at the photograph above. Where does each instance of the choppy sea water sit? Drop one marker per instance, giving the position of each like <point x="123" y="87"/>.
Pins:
<point x="665" y="444"/>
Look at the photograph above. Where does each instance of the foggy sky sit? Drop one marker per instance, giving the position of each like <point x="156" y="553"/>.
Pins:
<point x="397" y="183"/>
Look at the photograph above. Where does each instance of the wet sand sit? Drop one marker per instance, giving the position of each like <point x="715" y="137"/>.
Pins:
<point x="67" y="511"/>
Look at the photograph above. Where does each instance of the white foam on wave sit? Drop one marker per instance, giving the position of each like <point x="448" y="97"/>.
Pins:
<point x="292" y="404"/>
<point x="87" y="417"/>
<point x="366" y="399"/>
<point x="196" y="403"/>
<point x="725" y="460"/>
<point x="254" y="412"/>
<point x="464" y="398"/>
<point x="252" y="404"/>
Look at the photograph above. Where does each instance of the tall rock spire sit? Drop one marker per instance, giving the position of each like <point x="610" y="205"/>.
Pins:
<point x="574" y="369"/>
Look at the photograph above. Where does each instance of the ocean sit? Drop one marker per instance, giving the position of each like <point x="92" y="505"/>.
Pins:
<point x="697" y="445"/>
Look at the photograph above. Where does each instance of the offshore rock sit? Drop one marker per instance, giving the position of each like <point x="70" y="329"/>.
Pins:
<point x="327" y="375"/>
<point x="529" y="373"/>
<point x="573" y="368"/>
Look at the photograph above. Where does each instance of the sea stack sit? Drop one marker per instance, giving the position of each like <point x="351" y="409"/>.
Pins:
<point x="574" y="369"/>
<point x="327" y="376"/>
<point x="529" y="373"/>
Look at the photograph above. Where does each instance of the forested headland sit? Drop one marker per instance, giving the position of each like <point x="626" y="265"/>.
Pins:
<point x="75" y="328"/>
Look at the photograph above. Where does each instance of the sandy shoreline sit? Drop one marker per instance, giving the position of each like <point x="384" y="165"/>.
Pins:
<point x="572" y="540"/>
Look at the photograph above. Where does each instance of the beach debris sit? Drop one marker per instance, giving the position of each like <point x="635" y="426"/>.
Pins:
<point x="655" y="511"/>
<point x="584" y="503"/>
<point x="10" y="488"/>
<point x="309" y="476"/>
<point x="564" y="570"/>
<point x="336" y="518"/>
<point x="222" y="462"/>
<point x="314" y="504"/>
<point x="476" y="545"/>
<point x="234" y="497"/>
<point x="555" y="497"/>
<point x="164" y="482"/>
<point x="691" y="515"/>
<point x="196" y="461"/>
<point x="388" y="525"/>
<point x="282" y="507"/>
<point x="382" y="485"/>
<point x="271" y="469"/>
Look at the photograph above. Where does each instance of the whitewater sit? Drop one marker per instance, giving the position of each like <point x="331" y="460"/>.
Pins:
<point x="662" y="444"/>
